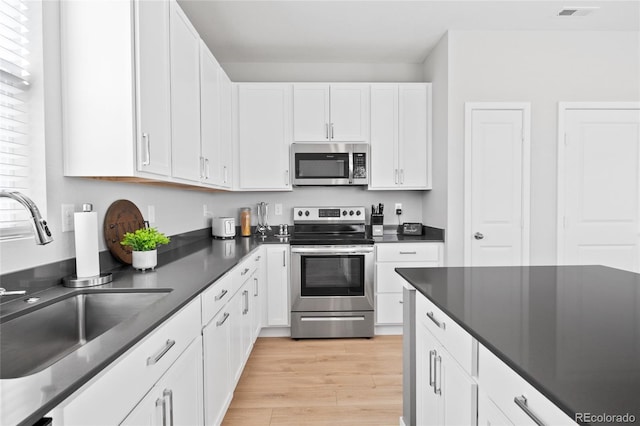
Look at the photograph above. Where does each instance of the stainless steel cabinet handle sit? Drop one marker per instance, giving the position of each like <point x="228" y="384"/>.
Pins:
<point x="396" y="175"/>
<point x="331" y="130"/>
<point x="147" y="149"/>
<point x="168" y="393"/>
<point x="326" y="130"/>
<point x="224" y="318"/>
<point x="437" y="388"/>
<point x="206" y="168"/>
<point x="225" y="174"/>
<point x="400" y="302"/>
<point x="478" y="236"/>
<point x="438" y="323"/>
<point x="221" y="295"/>
<point x="431" y="379"/>
<point x="258" y="258"/>
<point x="521" y="401"/>
<point x="245" y="309"/>
<point x="401" y="176"/>
<point x="255" y="281"/>
<point x="408" y="252"/>
<point x="160" y="403"/>
<point x="284" y="258"/>
<point x="286" y="177"/>
<point x="154" y="359"/>
<point x="244" y="272"/>
<point x="201" y="167"/>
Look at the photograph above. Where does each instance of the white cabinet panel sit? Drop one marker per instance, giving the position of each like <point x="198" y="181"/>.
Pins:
<point x="185" y="96"/>
<point x="311" y="112"/>
<point x="349" y="113"/>
<point x="384" y="136"/>
<point x="278" y="309"/>
<point x="210" y="111"/>
<point x="413" y="138"/>
<point x="218" y="389"/>
<point x="226" y="131"/>
<point x="389" y="308"/>
<point x="264" y="136"/>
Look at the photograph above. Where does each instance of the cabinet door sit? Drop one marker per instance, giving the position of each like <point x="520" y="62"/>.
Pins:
<point x="247" y="324"/>
<point x="185" y="97"/>
<point x="236" y="352"/>
<point x="177" y="397"/>
<point x="226" y="132"/>
<point x="389" y="308"/>
<point x="210" y="101"/>
<point x="459" y="392"/>
<point x="311" y="112"/>
<point x="278" y="309"/>
<point x="413" y="138"/>
<point x="429" y="404"/>
<point x="217" y="380"/>
<point x="349" y="113"/>
<point x="384" y="136"/>
<point x="153" y="87"/>
<point x="264" y="135"/>
<point x="489" y="414"/>
<point x="257" y="293"/>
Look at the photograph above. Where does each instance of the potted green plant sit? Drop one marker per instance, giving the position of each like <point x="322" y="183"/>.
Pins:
<point x="143" y="243"/>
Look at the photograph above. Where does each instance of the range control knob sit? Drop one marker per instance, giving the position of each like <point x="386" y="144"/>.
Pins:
<point x="351" y="213"/>
<point x="358" y="212"/>
<point x="344" y="212"/>
<point x="306" y="213"/>
<point x="299" y="212"/>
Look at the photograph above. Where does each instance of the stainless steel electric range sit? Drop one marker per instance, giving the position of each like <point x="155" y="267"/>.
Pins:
<point x="331" y="273"/>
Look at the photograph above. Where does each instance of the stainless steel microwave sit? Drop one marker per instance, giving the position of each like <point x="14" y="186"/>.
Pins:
<point x="330" y="163"/>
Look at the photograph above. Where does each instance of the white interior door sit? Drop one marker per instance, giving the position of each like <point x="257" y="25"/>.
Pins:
<point x="497" y="184"/>
<point x="599" y="188"/>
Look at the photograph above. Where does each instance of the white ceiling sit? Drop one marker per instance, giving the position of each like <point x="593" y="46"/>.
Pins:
<point x="377" y="31"/>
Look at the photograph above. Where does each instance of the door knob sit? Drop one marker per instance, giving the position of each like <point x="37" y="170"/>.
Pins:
<point x="478" y="236"/>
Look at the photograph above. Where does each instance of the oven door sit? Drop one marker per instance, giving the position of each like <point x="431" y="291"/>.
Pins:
<point x="331" y="278"/>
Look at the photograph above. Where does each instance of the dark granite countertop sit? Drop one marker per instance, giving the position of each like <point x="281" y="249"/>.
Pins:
<point x="195" y="263"/>
<point x="573" y="332"/>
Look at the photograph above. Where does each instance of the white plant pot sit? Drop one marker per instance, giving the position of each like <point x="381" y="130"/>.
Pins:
<point x="144" y="260"/>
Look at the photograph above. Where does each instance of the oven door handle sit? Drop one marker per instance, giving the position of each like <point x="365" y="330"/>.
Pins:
<point x="332" y="250"/>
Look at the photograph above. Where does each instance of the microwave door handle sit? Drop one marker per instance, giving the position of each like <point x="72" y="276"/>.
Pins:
<point x="351" y="166"/>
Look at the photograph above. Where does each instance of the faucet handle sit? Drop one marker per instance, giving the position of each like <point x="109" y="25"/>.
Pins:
<point x="5" y="292"/>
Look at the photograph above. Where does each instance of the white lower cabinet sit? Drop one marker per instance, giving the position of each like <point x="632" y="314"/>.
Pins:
<point x="445" y="393"/>
<point x="177" y="397"/>
<point x="277" y="298"/>
<point x="489" y="414"/>
<point x="388" y="285"/>
<point x="217" y="373"/>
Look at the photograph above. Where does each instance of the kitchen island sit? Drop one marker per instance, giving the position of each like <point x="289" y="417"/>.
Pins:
<point x="571" y="332"/>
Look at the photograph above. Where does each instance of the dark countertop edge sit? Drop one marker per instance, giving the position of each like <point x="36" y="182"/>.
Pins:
<point x="494" y="350"/>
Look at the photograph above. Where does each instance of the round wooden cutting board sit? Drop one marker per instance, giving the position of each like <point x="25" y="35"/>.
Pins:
<point x="122" y="216"/>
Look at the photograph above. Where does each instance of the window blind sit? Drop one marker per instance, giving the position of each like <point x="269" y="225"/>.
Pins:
<point x="14" y="141"/>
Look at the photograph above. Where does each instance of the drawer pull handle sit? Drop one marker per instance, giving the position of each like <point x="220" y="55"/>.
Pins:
<point x="154" y="359"/>
<point x="224" y="318"/>
<point x="521" y="401"/>
<point x="168" y="393"/>
<point x="244" y="272"/>
<point x="436" y="322"/>
<point x="408" y="252"/>
<point x="162" y="405"/>
<point x="431" y="379"/>
<point x="437" y="388"/>
<point x="221" y="295"/>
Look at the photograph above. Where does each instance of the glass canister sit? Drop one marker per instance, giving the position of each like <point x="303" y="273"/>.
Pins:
<point x="245" y="221"/>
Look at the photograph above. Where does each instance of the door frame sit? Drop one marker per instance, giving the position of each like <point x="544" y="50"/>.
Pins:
<point x="525" y="108"/>
<point x="563" y="108"/>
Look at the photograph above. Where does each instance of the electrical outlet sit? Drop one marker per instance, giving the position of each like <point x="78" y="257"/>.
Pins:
<point x="151" y="214"/>
<point x="398" y="206"/>
<point x="278" y="209"/>
<point x="205" y="210"/>
<point x="67" y="217"/>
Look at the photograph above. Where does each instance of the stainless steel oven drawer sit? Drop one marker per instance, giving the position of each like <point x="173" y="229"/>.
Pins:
<point x="331" y="324"/>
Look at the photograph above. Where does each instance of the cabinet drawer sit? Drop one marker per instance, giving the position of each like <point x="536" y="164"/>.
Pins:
<point x="243" y="271"/>
<point x="416" y="252"/>
<point x="503" y="386"/>
<point x="389" y="308"/>
<point x="216" y="296"/>
<point x="454" y="338"/>
<point x="388" y="280"/>
<point x="132" y="375"/>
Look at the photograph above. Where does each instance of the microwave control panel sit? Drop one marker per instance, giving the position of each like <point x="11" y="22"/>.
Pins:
<point x="359" y="165"/>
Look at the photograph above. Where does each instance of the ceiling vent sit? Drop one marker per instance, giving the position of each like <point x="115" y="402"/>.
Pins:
<point x="577" y="11"/>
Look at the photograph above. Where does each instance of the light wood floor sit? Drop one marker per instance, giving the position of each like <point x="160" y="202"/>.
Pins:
<point x="320" y="382"/>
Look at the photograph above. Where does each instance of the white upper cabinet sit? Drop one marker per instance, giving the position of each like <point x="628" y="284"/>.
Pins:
<point x="210" y="122"/>
<point x="400" y="136"/>
<point x="116" y="89"/>
<point x="226" y="131"/>
<point x="185" y="97"/>
<point x="331" y="112"/>
<point x="264" y="136"/>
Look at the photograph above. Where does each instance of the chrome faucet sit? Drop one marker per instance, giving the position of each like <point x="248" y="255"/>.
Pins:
<point x="40" y="228"/>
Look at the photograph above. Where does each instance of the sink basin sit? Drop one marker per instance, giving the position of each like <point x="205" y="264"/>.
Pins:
<point x="38" y="338"/>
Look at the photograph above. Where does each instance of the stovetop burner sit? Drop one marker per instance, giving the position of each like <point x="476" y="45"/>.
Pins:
<point x="330" y="226"/>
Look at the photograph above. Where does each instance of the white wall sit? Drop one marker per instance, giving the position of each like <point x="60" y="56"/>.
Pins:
<point x="436" y="71"/>
<point x="544" y="68"/>
<point x="322" y="72"/>
<point x="177" y="210"/>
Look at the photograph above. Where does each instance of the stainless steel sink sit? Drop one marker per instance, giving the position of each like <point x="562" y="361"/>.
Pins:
<point x="38" y="338"/>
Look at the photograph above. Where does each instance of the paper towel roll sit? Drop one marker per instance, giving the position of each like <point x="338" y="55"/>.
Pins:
<point x="86" y="228"/>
